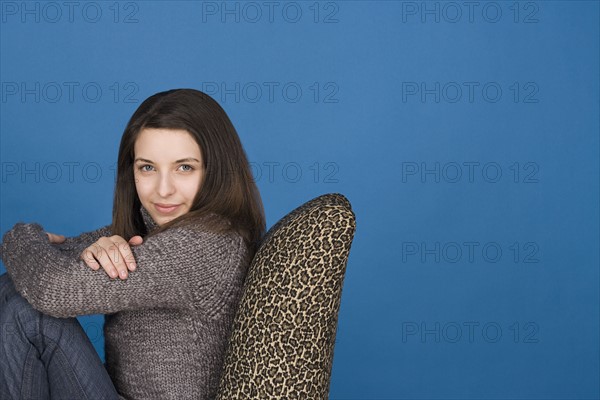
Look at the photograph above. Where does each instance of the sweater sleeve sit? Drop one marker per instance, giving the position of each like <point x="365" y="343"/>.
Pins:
<point x="178" y="268"/>
<point x="74" y="246"/>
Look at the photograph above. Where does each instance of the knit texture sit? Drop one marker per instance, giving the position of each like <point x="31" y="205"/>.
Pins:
<point x="166" y="326"/>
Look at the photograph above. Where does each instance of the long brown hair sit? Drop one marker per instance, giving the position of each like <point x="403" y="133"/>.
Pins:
<point x="228" y="198"/>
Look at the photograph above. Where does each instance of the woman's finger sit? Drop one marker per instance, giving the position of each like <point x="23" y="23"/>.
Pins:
<point x="126" y="252"/>
<point x="119" y="254"/>
<point x="88" y="257"/>
<point x="136" y="240"/>
<point x="96" y="256"/>
<point x="54" y="238"/>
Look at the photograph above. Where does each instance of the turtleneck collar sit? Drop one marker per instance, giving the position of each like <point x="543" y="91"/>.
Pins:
<point x="148" y="221"/>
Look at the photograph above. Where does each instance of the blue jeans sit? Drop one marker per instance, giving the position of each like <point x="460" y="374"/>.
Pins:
<point x="43" y="357"/>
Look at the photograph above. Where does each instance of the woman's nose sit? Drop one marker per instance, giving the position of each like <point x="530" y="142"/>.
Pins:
<point x="165" y="185"/>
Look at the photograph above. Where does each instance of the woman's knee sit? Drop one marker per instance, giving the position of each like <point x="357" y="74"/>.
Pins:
<point x="13" y="304"/>
<point x="21" y="324"/>
<point x="12" y="332"/>
<point x="10" y="299"/>
<point x="12" y="307"/>
<point x="7" y="286"/>
<point x="17" y="316"/>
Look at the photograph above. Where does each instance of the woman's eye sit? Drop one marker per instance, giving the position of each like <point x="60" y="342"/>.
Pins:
<point x="187" y="168"/>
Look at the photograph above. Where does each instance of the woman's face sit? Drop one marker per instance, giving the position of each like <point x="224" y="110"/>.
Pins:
<point x="168" y="170"/>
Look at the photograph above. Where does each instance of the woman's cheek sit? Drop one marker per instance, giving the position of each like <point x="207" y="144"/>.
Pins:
<point x="143" y="186"/>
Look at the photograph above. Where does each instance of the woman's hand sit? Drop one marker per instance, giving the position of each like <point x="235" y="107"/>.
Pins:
<point x="113" y="254"/>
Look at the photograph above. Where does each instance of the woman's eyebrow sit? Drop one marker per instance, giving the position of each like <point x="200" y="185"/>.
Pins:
<point x="189" y="159"/>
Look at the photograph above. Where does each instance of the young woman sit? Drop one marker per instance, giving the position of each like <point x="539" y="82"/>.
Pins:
<point x="167" y="273"/>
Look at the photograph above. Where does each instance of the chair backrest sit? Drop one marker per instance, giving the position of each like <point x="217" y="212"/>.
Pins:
<point x="282" y="342"/>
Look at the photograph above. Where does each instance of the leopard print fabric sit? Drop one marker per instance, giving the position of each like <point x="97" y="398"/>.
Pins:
<point x="283" y="337"/>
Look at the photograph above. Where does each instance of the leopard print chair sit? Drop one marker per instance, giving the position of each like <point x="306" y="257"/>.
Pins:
<point x="281" y="346"/>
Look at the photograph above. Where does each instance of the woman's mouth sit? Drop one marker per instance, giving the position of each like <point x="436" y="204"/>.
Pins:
<point x="166" y="208"/>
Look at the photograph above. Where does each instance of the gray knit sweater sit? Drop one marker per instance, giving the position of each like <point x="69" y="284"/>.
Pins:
<point x="166" y="325"/>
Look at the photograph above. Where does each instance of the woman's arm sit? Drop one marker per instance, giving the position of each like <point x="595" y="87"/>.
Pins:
<point x="74" y="246"/>
<point x="178" y="268"/>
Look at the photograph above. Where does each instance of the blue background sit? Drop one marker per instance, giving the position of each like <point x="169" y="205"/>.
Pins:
<point x="370" y="99"/>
